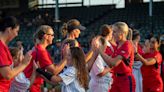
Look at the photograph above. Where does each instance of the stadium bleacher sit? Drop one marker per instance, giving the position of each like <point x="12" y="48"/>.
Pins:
<point x="93" y="17"/>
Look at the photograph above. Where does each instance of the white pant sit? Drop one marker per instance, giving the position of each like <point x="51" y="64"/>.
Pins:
<point x="99" y="86"/>
<point x="137" y="75"/>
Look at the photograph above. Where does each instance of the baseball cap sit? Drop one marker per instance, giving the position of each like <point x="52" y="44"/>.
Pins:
<point x="75" y="24"/>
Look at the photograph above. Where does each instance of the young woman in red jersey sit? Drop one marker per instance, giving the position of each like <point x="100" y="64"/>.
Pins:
<point x="152" y="60"/>
<point x="121" y="61"/>
<point x="9" y="28"/>
<point x="162" y="52"/>
<point x="137" y="64"/>
<point x="43" y="38"/>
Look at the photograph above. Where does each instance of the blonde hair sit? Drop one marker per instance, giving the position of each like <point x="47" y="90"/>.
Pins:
<point x="123" y="27"/>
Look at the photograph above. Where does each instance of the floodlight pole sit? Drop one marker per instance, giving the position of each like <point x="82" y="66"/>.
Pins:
<point x="151" y="14"/>
<point x="82" y="2"/>
<point x="57" y="10"/>
<point x="56" y="19"/>
<point x="42" y="4"/>
<point x="151" y="8"/>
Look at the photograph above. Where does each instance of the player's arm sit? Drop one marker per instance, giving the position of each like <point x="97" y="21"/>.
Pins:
<point x="88" y="55"/>
<point x="111" y="62"/>
<point x="9" y="73"/>
<point x="56" y="69"/>
<point x="92" y="60"/>
<point x="105" y="71"/>
<point x="149" y="61"/>
<point x="49" y="76"/>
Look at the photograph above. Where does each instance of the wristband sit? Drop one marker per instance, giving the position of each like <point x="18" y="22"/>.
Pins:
<point x="136" y="53"/>
<point x="45" y="74"/>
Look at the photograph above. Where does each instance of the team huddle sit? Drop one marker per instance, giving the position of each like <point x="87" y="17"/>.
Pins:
<point x="116" y="61"/>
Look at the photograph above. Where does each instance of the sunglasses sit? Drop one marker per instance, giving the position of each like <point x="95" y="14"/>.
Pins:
<point x="50" y="34"/>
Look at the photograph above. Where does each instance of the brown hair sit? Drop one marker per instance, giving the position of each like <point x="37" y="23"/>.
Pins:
<point x="14" y="51"/>
<point x="135" y="34"/>
<point x="105" y="29"/>
<point x="102" y="41"/>
<point x="9" y="21"/>
<point x="78" y="59"/>
<point x="41" y="31"/>
<point x="65" y="28"/>
<point x="71" y="42"/>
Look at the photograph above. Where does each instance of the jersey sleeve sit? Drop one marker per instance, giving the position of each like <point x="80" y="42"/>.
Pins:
<point x="126" y="50"/>
<point x="108" y="51"/>
<point x="44" y="59"/>
<point x="158" y="58"/>
<point x="140" y="51"/>
<point x="4" y="60"/>
<point x="68" y="76"/>
<point x="98" y="66"/>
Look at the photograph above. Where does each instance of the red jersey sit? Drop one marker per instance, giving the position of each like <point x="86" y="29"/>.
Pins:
<point x="152" y="81"/>
<point x="126" y="51"/>
<point x="110" y="49"/>
<point x="5" y="60"/>
<point x="42" y="56"/>
<point x="123" y="80"/>
<point x="140" y="51"/>
<point x="151" y="71"/>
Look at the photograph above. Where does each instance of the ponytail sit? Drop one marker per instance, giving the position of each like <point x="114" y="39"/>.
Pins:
<point x="64" y="30"/>
<point x="130" y="34"/>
